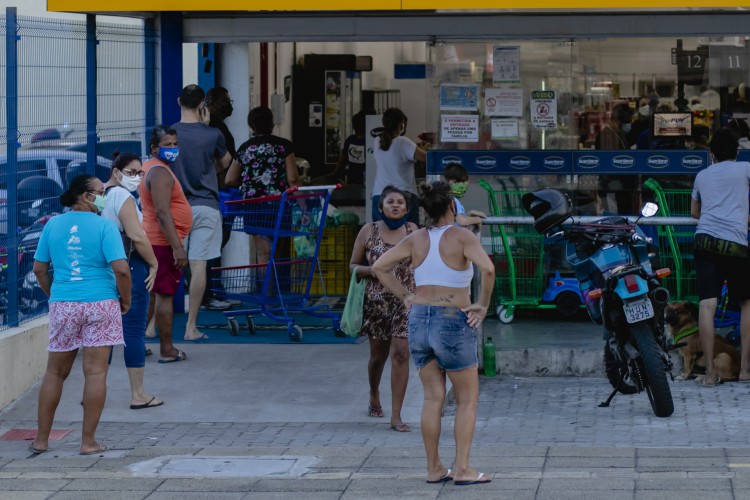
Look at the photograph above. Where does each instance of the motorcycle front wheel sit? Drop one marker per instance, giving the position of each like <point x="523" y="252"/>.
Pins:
<point x="652" y="370"/>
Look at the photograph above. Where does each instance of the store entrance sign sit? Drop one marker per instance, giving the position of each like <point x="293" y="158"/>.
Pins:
<point x="543" y="109"/>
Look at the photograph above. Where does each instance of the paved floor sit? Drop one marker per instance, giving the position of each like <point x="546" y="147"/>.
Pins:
<point x="283" y="421"/>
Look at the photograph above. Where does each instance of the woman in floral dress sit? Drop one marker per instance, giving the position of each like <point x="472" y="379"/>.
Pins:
<point x="265" y="166"/>
<point x="385" y="318"/>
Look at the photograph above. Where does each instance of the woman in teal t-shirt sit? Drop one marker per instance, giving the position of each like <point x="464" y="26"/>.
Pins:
<point x="89" y="293"/>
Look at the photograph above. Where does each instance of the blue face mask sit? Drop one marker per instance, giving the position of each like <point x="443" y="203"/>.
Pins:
<point x="395" y="224"/>
<point x="627" y="127"/>
<point x="168" y="154"/>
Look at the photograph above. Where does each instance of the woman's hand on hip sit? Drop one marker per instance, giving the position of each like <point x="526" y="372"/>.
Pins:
<point x="409" y="300"/>
<point x="475" y="313"/>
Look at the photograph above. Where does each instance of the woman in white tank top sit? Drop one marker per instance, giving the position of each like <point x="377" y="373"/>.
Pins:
<point x="442" y="323"/>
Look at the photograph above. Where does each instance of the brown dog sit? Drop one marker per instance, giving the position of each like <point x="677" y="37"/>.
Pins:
<point x="682" y="319"/>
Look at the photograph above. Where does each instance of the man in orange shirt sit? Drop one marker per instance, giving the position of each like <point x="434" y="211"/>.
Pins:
<point x="167" y="219"/>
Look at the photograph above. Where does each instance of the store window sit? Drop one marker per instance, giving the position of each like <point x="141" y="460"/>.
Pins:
<point x="634" y="94"/>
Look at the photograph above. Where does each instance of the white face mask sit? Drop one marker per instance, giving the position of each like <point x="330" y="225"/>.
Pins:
<point x="644" y="110"/>
<point x="130" y="183"/>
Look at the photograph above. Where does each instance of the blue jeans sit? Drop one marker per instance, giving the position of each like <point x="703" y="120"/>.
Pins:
<point x="442" y="333"/>
<point x="134" y="322"/>
<point x="412" y="201"/>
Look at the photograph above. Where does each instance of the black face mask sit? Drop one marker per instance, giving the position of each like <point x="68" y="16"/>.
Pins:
<point x="227" y="109"/>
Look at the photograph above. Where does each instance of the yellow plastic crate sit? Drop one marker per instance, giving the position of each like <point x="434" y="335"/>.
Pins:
<point x="335" y="276"/>
<point x="337" y="243"/>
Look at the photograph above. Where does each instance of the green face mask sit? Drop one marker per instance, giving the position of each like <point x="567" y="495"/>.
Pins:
<point x="459" y="189"/>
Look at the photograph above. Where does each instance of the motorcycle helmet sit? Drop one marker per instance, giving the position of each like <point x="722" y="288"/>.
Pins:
<point x="549" y="207"/>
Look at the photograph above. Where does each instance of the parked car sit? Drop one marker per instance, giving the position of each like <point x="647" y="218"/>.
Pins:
<point x="43" y="175"/>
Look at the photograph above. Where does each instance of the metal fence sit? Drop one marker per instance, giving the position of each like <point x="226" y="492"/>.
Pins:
<point x="71" y="93"/>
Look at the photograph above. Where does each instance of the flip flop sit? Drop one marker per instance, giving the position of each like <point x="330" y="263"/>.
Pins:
<point x="180" y="357"/>
<point x="402" y="427"/>
<point x="102" y="448"/>
<point x="147" y="405"/>
<point x="34" y="450"/>
<point x="447" y="477"/>
<point x="202" y="337"/>
<point x="717" y="381"/>
<point x="375" y="411"/>
<point x="479" y="480"/>
<point x="743" y="381"/>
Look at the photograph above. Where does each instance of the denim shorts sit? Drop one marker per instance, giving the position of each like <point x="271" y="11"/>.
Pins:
<point x="442" y="333"/>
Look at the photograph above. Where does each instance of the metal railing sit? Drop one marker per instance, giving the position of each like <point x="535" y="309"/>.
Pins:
<point x="74" y="91"/>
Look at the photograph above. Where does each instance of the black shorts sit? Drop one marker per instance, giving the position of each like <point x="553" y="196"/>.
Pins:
<point x="713" y="269"/>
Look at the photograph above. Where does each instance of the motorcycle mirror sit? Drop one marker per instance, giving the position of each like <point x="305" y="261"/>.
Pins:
<point x="649" y="209"/>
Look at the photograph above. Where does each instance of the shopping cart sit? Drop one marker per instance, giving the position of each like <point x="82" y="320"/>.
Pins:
<point x="523" y="277"/>
<point x="676" y="242"/>
<point x="282" y="285"/>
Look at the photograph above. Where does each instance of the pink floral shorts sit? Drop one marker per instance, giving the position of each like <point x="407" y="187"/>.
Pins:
<point x="73" y="325"/>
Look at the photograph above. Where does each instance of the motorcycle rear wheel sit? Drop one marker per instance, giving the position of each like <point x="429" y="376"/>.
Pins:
<point x="653" y="370"/>
<point x="617" y="374"/>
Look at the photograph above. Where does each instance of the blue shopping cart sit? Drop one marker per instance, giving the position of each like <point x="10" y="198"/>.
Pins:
<point x="282" y="285"/>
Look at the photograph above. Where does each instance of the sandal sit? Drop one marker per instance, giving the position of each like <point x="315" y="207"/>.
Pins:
<point x="375" y="411"/>
<point x="402" y="427"/>
<point x="101" y="449"/>
<point x="179" y="357"/>
<point x="704" y="382"/>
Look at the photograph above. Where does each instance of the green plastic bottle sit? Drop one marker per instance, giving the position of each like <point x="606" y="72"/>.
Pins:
<point x="490" y="368"/>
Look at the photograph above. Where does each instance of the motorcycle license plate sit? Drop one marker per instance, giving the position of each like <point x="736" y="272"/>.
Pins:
<point x="638" y="310"/>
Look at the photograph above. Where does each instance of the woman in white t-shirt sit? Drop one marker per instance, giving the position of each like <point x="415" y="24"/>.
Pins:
<point x="395" y="155"/>
<point x="122" y="209"/>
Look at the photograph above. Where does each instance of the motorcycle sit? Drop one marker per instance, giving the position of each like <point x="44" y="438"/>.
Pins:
<point x="621" y="291"/>
<point x="31" y="299"/>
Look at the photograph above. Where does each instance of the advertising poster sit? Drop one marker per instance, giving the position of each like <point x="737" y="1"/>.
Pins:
<point x="673" y="124"/>
<point x="459" y="97"/>
<point x="503" y="102"/>
<point x="505" y="128"/>
<point x="543" y="109"/>
<point x="506" y="64"/>
<point x="459" y="128"/>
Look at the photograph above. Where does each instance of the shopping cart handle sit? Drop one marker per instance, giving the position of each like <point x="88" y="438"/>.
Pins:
<point x="329" y="187"/>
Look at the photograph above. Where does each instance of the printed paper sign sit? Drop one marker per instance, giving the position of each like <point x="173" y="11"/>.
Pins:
<point x="505" y="128"/>
<point x="459" y="128"/>
<point x="543" y="109"/>
<point x="503" y="102"/>
<point x="506" y="64"/>
<point x="459" y="97"/>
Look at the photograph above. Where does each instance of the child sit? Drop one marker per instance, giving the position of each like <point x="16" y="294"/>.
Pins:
<point x="455" y="174"/>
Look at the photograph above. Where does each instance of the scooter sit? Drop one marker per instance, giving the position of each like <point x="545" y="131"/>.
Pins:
<point x="621" y="291"/>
